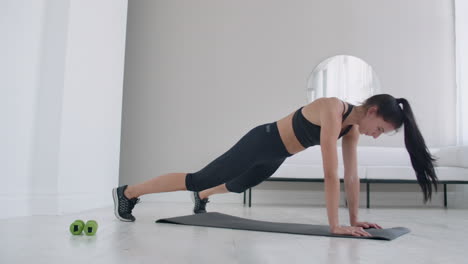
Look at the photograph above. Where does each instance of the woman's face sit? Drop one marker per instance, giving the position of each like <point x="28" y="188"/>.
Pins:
<point x="373" y="125"/>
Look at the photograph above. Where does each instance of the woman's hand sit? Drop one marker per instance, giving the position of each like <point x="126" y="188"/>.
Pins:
<point x="367" y="225"/>
<point x="350" y="230"/>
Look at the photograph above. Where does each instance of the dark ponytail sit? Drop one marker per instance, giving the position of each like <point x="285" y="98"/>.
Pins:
<point x="389" y="109"/>
<point x="421" y="158"/>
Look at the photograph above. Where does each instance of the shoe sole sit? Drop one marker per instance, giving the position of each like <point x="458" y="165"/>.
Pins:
<point x="192" y="196"/>
<point x="116" y="206"/>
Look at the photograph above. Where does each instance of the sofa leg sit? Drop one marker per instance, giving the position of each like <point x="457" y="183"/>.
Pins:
<point x="368" y="194"/>
<point x="250" y="197"/>
<point x="245" y="195"/>
<point x="445" y="195"/>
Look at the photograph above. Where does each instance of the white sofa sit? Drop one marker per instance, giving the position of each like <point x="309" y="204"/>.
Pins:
<point x="376" y="165"/>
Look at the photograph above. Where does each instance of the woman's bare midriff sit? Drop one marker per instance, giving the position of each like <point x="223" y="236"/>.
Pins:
<point x="286" y="131"/>
<point x="287" y="135"/>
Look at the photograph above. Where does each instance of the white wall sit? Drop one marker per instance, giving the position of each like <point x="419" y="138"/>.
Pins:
<point x="200" y="74"/>
<point x="19" y="74"/>
<point x="63" y="100"/>
<point x="461" y="44"/>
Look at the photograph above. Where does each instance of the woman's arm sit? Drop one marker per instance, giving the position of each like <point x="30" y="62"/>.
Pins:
<point x="330" y="120"/>
<point x="351" y="178"/>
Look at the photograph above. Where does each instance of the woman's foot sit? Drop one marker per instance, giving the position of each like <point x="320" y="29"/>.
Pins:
<point x="122" y="205"/>
<point x="199" y="204"/>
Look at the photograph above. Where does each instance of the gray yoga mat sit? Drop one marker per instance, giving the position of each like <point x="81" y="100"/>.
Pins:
<point x="213" y="219"/>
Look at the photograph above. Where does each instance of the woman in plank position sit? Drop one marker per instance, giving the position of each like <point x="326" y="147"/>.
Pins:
<point x="259" y="153"/>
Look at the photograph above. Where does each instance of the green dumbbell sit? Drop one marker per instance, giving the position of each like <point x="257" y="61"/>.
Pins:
<point x="90" y="228"/>
<point x="77" y="227"/>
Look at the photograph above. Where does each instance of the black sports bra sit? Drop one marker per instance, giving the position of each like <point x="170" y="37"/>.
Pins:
<point x="308" y="133"/>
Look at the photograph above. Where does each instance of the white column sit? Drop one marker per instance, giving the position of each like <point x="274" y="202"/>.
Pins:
<point x="63" y="104"/>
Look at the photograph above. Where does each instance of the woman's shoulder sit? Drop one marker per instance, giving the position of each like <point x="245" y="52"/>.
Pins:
<point x="327" y="104"/>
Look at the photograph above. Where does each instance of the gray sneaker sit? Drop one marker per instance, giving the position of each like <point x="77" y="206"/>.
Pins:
<point x="199" y="204"/>
<point x="122" y="205"/>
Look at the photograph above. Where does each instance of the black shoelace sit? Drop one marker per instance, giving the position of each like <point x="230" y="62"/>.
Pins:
<point x="128" y="205"/>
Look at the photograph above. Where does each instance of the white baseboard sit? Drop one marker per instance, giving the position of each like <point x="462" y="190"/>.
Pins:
<point x="15" y="205"/>
<point x="53" y="204"/>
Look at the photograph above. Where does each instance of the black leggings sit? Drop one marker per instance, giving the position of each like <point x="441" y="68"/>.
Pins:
<point x="256" y="156"/>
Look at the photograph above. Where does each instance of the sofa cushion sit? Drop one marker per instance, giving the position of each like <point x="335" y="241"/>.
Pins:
<point x="390" y="173"/>
<point x="302" y="171"/>
<point x="383" y="156"/>
<point x="378" y="156"/>
<point x="447" y="157"/>
<point x="407" y="173"/>
<point x="378" y="163"/>
<point x="463" y="156"/>
<point x="452" y="173"/>
<point x="452" y="156"/>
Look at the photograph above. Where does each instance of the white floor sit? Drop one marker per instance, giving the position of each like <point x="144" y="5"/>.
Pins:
<point x="438" y="236"/>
